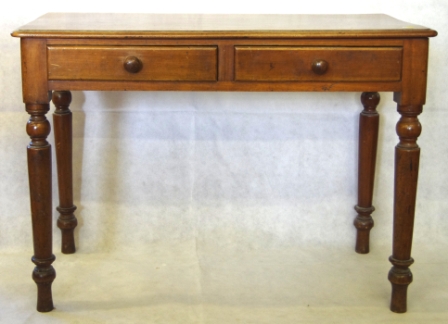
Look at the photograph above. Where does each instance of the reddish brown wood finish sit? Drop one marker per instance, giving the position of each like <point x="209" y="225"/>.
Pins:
<point x="158" y="63"/>
<point x="36" y="98"/>
<point x="62" y="123"/>
<point x="224" y="53"/>
<point x="368" y="139"/>
<point x="296" y="63"/>
<point x="39" y="169"/>
<point x="34" y="70"/>
<point x="407" y="156"/>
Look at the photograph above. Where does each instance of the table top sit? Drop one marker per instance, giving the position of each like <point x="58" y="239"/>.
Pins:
<point x="113" y="25"/>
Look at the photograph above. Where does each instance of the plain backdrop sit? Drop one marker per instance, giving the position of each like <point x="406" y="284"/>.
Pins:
<point x="220" y="181"/>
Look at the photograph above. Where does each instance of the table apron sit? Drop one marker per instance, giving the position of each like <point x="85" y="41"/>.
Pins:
<point x="224" y="86"/>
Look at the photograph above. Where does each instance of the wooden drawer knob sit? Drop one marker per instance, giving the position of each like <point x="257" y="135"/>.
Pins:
<point x="132" y="64"/>
<point x="320" y="66"/>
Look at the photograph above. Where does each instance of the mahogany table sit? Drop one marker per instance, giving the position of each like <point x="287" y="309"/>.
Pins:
<point x="370" y="53"/>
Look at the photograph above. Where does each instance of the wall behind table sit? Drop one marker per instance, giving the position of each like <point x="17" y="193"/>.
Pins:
<point x="260" y="170"/>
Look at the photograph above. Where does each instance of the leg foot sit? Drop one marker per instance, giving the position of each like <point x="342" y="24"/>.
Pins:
<point x="43" y="276"/>
<point x="400" y="277"/>
<point x="67" y="223"/>
<point x="363" y="223"/>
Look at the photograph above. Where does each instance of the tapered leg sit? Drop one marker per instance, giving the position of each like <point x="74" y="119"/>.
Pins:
<point x="39" y="169"/>
<point x="62" y="120"/>
<point x="368" y="139"/>
<point x="407" y="155"/>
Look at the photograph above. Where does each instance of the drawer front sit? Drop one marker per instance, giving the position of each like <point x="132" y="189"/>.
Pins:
<point x="133" y="63"/>
<point x="317" y="63"/>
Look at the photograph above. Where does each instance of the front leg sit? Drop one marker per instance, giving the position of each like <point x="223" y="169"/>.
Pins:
<point x="407" y="156"/>
<point x="39" y="169"/>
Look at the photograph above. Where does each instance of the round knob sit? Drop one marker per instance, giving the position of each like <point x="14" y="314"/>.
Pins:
<point x="132" y="64"/>
<point x="320" y="66"/>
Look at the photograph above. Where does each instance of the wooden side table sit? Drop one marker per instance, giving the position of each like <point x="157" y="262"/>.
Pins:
<point x="369" y="53"/>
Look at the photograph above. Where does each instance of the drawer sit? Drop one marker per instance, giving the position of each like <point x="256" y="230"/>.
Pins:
<point x="133" y="63"/>
<point x="292" y="63"/>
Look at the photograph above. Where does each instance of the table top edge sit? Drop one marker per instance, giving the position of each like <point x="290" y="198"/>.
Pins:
<point x="104" y="25"/>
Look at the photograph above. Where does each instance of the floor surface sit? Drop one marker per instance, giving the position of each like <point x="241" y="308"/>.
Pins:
<point x="183" y="284"/>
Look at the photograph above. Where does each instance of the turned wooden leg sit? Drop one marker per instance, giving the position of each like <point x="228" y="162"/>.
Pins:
<point x="62" y="120"/>
<point x="407" y="155"/>
<point x="39" y="169"/>
<point x="368" y="139"/>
